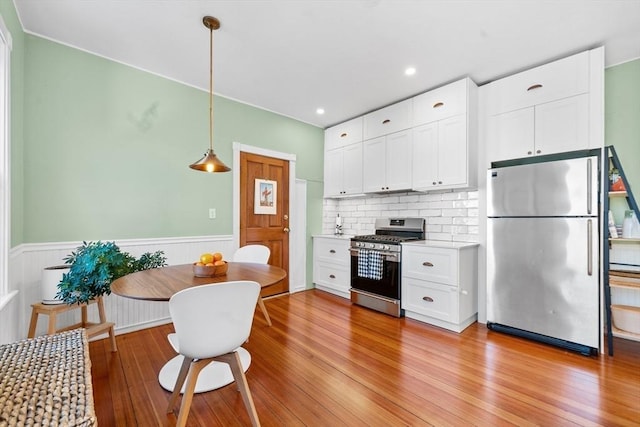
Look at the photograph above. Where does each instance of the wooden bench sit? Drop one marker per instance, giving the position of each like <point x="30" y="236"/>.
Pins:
<point x="93" y="329"/>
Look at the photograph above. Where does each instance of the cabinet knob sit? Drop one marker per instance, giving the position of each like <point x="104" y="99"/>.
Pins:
<point x="534" y="87"/>
<point x="538" y="151"/>
<point x="434" y="183"/>
<point x="439" y="182"/>
<point x="529" y="152"/>
<point x="385" y="121"/>
<point x="427" y="299"/>
<point x="331" y="276"/>
<point x="438" y="104"/>
<point x="332" y="251"/>
<point x="463" y="292"/>
<point x="343" y="135"/>
<point x="427" y="264"/>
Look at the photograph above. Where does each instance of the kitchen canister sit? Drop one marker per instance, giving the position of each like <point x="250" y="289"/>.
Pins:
<point x="51" y="276"/>
<point x="630" y="226"/>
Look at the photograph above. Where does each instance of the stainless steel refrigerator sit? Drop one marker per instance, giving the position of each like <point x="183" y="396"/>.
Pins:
<point x="543" y="252"/>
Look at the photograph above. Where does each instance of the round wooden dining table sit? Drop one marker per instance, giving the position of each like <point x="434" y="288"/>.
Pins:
<point x="159" y="284"/>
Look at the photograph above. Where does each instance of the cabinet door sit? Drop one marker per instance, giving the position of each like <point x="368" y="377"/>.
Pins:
<point x="398" y="161"/>
<point x="425" y="156"/>
<point x="452" y="151"/>
<point x="343" y="134"/>
<point x="441" y="103"/>
<point x="562" y="125"/>
<point x="511" y="135"/>
<point x="373" y="165"/>
<point x="388" y="120"/>
<point x="352" y="169"/>
<point x="333" y="173"/>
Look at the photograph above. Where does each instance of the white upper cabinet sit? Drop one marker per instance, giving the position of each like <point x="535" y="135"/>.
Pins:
<point x="444" y="142"/>
<point x="441" y="103"/>
<point x="343" y="171"/>
<point x="387" y="163"/>
<point x="343" y="134"/>
<point x="388" y="120"/>
<point x="553" y="108"/>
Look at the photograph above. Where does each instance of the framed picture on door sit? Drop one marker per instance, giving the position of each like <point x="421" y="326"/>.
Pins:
<point x="265" y="197"/>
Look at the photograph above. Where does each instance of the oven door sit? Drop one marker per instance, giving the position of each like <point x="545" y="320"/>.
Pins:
<point x="385" y="283"/>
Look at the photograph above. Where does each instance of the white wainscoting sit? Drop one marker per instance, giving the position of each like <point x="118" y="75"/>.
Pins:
<point x="28" y="260"/>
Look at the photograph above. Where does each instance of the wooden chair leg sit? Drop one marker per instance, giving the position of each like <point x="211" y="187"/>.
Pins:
<point x="264" y="310"/>
<point x="194" y="371"/>
<point x="233" y="359"/>
<point x="182" y="375"/>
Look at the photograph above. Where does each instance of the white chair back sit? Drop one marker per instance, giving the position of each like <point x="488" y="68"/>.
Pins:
<point x="252" y="253"/>
<point x="214" y="319"/>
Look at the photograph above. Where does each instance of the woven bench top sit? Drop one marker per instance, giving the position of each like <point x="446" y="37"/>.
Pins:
<point x="46" y="381"/>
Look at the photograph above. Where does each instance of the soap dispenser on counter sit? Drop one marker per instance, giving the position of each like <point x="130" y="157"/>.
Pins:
<point x="338" y="231"/>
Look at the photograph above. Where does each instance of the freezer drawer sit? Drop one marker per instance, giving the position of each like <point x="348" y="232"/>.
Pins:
<point x="555" y="188"/>
<point x="543" y="276"/>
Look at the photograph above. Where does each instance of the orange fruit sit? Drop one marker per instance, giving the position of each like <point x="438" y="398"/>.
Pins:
<point x="219" y="262"/>
<point x="217" y="256"/>
<point x="199" y="263"/>
<point x="206" y="258"/>
<point x="209" y="264"/>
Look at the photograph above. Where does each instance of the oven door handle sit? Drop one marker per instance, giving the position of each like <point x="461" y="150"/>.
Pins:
<point x="387" y="256"/>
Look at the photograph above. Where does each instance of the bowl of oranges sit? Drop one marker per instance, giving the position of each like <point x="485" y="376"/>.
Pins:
<point x="209" y="265"/>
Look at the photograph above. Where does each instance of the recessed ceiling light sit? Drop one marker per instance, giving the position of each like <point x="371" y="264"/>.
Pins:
<point x="410" y="71"/>
<point x="320" y="111"/>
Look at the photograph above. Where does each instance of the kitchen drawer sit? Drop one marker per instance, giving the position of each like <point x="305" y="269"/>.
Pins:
<point x="442" y="103"/>
<point x="330" y="250"/>
<point x="332" y="275"/>
<point x="556" y="80"/>
<point x="343" y="134"/>
<point x="430" y="299"/>
<point x="438" y="265"/>
<point x="388" y="120"/>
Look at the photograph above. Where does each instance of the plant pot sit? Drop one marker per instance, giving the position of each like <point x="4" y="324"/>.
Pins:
<point x="51" y="276"/>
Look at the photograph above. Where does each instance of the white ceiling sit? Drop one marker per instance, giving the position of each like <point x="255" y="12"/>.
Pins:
<point x="349" y="56"/>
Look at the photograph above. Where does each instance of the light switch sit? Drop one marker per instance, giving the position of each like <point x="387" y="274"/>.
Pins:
<point x="212" y="213"/>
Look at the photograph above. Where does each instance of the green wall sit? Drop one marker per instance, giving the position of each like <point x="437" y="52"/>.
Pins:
<point x="107" y="149"/>
<point x="17" y="125"/>
<point x="622" y="124"/>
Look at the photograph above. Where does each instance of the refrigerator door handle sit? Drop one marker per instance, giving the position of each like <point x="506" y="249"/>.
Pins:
<point x="589" y="187"/>
<point x="589" y="248"/>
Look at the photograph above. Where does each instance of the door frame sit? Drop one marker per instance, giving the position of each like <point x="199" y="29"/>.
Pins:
<point x="294" y="270"/>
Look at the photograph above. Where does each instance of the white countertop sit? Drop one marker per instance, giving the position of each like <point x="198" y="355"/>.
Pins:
<point x="441" y="244"/>
<point x="333" y="236"/>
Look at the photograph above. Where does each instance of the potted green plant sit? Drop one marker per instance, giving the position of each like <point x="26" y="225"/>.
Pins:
<point x="94" y="265"/>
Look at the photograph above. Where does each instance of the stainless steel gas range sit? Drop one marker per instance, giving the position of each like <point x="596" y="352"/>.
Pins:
<point x="376" y="263"/>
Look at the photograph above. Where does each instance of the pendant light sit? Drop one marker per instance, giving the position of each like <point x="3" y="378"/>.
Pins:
<point x="210" y="162"/>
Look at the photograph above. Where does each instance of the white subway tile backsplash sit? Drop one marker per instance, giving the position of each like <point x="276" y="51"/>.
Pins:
<point x="450" y="216"/>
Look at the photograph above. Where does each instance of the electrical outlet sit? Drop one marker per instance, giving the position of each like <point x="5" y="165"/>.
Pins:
<point x="212" y="213"/>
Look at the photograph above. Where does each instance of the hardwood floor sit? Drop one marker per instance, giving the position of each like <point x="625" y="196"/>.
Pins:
<point x="325" y="362"/>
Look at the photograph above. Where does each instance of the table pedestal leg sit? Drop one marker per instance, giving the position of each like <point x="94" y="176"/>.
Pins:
<point x="215" y="375"/>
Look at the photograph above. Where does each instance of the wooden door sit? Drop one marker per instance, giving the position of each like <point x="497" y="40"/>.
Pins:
<point x="271" y="230"/>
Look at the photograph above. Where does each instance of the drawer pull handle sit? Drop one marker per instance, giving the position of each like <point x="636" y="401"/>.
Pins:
<point x="331" y="276"/>
<point x="332" y="251"/>
<point x="438" y="105"/>
<point x="427" y="299"/>
<point x="463" y="292"/>
<point x="343" y="135"/>
<point x="384" y="122"/>
<point x="534" y="87"/>
<point x="427" y="264"/>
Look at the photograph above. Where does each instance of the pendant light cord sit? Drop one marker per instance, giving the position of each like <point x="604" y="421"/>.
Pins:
<point x="211" y="90"/>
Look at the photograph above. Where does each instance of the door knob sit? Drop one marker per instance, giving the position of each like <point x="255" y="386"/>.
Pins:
<point x="286" y="229"/>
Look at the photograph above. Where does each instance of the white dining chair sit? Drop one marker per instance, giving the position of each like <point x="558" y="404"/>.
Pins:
<point x="258" y="254"/>
<point x="211" y="323"/>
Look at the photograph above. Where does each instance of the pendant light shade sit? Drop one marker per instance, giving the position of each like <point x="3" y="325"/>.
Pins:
<point x="210" y="162"/>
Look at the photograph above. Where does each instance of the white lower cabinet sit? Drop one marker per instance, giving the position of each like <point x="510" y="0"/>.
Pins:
<point x="440" y="283"/>
<point x="332" y="265"/>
